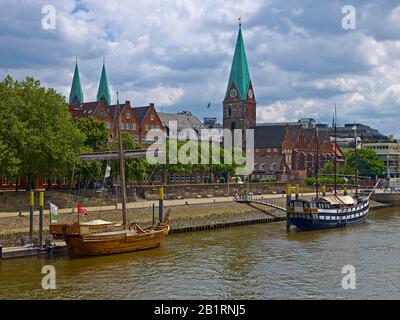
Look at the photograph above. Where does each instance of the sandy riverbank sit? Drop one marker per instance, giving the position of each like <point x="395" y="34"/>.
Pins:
<point x="13" y="228"/>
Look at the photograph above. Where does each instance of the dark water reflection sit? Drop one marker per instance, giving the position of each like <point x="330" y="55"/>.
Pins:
<point x="251" y="262"/>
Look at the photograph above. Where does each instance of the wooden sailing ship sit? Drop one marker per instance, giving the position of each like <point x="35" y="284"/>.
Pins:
<point x="102" y="237"/>
<point x="332" y="211"/>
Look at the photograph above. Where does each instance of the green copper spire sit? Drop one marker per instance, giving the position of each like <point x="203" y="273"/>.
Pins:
<point x="76" y="94"/>
<point x="240" y="70"/>
<point x="103" y="91"/>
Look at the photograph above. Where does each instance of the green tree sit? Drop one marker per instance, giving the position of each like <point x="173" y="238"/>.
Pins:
<point x="96" y="139"/>
<point x="9" y="162"/>
<point x="37" y="127"/>
<point x="136" y="169"/>
<point x="368" y="163"/>
<point x="327" y="168"/>
<point x="96" y="133"/>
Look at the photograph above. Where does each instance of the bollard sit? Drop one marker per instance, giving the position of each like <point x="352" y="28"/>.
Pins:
<point x="1" y="251"/>
<point x="324" y="190"/>
<point x="161" y="204"/>
<point x="154" y="219"/>
<point x="41" y="204"/>
<point x="296" y="191"/>
<point x="288" y="198"/>
<point x="31" y="212"/>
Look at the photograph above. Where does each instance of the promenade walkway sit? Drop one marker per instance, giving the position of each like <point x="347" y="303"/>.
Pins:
<point x="146" y="204"/>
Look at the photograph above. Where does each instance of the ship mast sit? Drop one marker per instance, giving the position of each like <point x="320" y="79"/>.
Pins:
<point x="317" y="168"/>
<point x="335" y="160"/>
<point x="356" y="159"/>
<point x="121" y="167"/>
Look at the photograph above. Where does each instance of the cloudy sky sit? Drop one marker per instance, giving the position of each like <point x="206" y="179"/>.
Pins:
<point x="177" y="54"/>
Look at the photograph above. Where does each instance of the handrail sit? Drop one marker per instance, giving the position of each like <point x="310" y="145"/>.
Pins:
<point x="373" y="190"/>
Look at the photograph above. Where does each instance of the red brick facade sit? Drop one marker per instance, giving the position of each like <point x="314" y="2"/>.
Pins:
<point x="293" y="150"/>
<point x="138" y="121"/>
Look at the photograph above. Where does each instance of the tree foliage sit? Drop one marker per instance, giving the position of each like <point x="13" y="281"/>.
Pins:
<point x="37" y="134"/>
<point x="368" y="163"/>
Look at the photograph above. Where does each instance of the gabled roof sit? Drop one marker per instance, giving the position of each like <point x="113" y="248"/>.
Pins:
<point x="76" y="93"/>
<point x="294" y="131"/>
<point x="239" y="71"/>
<point x="266" y="164"/>
<point x="141" y="112"/>
<point x="113" y="108"/>
<point x="269" y="136"/>
<point x="83" y="109"/>
<point x="103" y="91"/>
<point x="184" y="120"/>
<point x="308" y="134"/>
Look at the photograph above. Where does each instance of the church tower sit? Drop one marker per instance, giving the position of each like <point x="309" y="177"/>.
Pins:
<point x="76" y="93"/>
<point x="239" y="104"/>
<point x="103" y="91"/>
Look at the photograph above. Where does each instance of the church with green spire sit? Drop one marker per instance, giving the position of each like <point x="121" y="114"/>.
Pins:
<point x="104" y="91"/>
<point x="239" y="105"/>
<point x="76" y="94"/>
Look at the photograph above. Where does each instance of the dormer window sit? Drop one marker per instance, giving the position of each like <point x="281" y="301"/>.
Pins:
<point x="128" y="115"/>
<point x="152" y="117"/>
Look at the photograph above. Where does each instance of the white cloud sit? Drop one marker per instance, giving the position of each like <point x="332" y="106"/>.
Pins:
<point x="178" y="53"/>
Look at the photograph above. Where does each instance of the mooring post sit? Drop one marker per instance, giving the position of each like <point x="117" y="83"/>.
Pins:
<point x="153" y="211"/>
<point x="288" y="198"/>
<point x="41" y="204"/>
<point x="161" y="204"/>
<point x="31" y="211"/>
<point x="324" y="190"/>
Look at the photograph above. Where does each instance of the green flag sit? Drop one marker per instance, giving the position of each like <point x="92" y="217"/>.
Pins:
<point x="53" y="213"/>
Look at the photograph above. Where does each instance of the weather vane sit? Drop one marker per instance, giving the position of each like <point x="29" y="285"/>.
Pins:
<point x="240" y="22"/>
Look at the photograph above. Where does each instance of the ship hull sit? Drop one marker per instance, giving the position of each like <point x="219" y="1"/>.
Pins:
<point x="330" y="218"/>
<point x="114" y="242"/>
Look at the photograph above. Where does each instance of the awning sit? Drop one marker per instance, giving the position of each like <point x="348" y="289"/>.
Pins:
<point x="339" y="200"/>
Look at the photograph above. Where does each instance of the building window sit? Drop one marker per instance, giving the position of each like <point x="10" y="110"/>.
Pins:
<point x="122" y="125"/>
<point x="108" y="125"/>
<point x="128" y="115"/>
<point x="143" y="140"/>
<point x="54" y="181"/>
<point x="5" y="181"/>
<point x="152" y="117"/>
<point x="157" y="128"/>
<point x="136" y="139"/>
<point x="275" y="149"/>
<point x="45" y="181"/>
<point x="64" y="181"/>
<point x="152" y="127"/>
<point x="146" y="128"/>
<point x="133" y="126"/>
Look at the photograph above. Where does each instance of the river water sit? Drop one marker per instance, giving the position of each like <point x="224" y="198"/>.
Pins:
<point x="249" y="262"/>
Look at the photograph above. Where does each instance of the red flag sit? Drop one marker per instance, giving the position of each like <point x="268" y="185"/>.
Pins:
<point x="81" y="210"/>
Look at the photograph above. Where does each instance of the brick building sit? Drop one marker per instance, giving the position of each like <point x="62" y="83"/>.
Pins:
<point x="289" y="152"/>
<point x="138" y="121"/>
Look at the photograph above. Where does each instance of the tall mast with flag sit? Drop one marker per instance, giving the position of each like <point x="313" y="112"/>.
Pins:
<point x="356" y="159"/>
<point x="334" y="124"/>
<point x="121" y="167"/>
